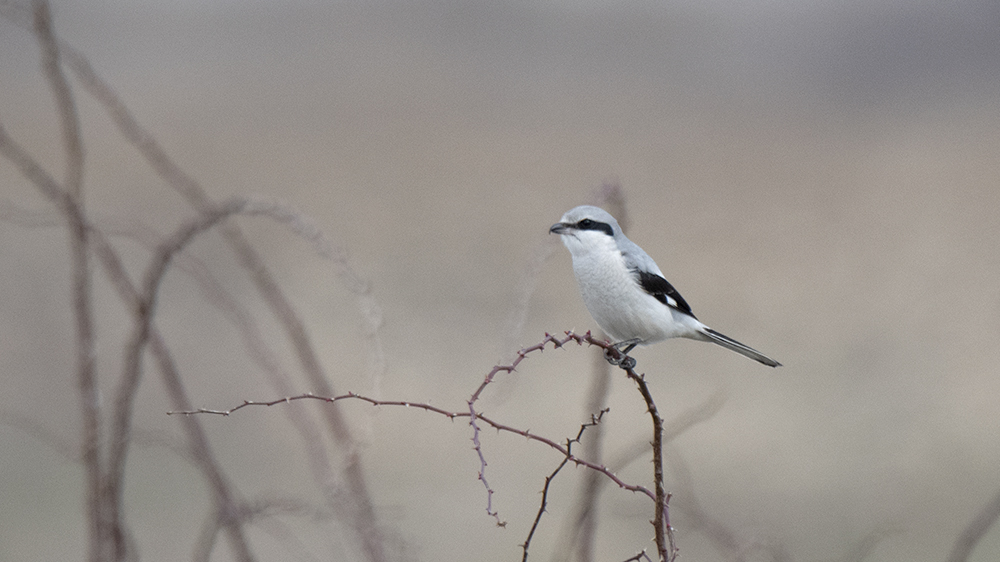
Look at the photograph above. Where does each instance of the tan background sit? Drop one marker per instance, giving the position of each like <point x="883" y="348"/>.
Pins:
<point x="819" y="180"/>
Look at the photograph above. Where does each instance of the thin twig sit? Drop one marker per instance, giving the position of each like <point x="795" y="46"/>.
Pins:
<point x="580" y="534"/>
<point x="665" y="540"/>
<point x="225" y="499"/>
<point x="638" y="557"/>
<point x="541" y="508"/>
<point x="639" y="449"/>
<point x="527" y="434"/>
<point x="477" y="446"/>
<point x="594" y="421"/>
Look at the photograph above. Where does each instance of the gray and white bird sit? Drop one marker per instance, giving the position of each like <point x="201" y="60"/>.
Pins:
<point x="626" y="292"/>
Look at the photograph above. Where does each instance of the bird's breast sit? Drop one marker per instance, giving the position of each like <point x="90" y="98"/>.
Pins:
<point x="618" y="303"/>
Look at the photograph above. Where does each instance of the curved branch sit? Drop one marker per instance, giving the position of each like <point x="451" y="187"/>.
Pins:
<point x="527" y="434"/>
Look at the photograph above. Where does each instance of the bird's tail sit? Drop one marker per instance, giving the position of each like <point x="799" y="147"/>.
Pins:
<point x="731" y="344"/>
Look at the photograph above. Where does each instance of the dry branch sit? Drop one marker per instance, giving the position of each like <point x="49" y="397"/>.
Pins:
<point x="594" y="422"/>
<point x="70" y="202"/>
<point x="362" y="515"/>
<point x="663" y="531"/>
<point x="104" y="494"/>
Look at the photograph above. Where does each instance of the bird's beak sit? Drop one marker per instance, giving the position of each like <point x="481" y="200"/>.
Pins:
<point x="559" y="228"/>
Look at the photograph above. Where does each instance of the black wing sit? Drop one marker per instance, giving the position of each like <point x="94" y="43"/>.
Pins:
<point x="662" y="290"/>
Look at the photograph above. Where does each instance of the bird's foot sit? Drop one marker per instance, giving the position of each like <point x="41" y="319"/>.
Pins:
<point x="627" y="363"/>
<point x="623" y="360"/>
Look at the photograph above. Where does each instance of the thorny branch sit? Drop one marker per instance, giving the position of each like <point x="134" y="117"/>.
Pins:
<point x="527" y="434"/>
<point x="661" y="521"/>
<point x="478" y="447"/>
<point x="109" y="531"/>
<point x="594" y="420"/>
<point x="663" y="531"/>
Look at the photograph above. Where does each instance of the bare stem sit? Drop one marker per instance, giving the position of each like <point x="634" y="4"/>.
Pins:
<point x="661" y="519"/>
<point x="69" y="199"/>
<point x="527" y="434"/>
<point x="226" y="504"/>
<point x="594" y="421"/>
<point x="69" y="122"/>
<point x="363" y="517"/>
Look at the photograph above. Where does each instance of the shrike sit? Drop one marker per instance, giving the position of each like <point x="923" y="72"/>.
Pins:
<point x="624" y="290"/>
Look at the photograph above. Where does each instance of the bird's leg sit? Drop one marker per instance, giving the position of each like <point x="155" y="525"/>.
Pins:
<point x="625" y="362"/>
<point x="629" y="345"/>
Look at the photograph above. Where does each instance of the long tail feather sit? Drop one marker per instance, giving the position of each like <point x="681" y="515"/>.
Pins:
<point x="731" y="344"/>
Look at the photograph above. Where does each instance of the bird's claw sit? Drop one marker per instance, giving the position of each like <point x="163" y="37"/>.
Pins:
<point x="623" y="361"/>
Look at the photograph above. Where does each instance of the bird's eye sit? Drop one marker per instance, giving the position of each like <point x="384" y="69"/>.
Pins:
<point x="585" y="224"/>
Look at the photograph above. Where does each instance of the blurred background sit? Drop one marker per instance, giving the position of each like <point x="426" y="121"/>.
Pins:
<point x="818" y="179"/>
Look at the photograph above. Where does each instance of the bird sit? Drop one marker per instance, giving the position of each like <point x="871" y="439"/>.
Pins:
<point x="626" y="293"/>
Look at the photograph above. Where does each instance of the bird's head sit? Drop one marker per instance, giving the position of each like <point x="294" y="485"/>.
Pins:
<point x="586" y="229"/>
